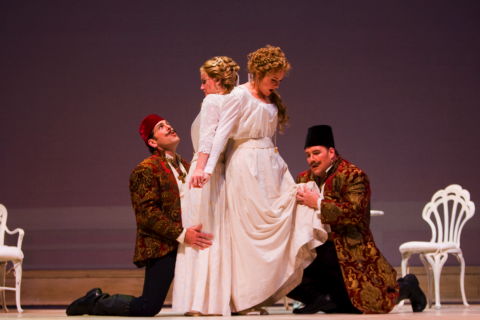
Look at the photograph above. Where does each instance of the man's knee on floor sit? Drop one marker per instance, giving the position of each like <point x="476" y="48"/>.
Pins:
<point x="145" y="309"/>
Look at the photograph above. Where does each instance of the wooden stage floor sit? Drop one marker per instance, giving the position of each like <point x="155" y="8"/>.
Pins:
<point x="447" y="312"/>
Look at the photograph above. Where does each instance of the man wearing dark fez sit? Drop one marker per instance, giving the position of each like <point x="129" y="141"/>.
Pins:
<point x="349" y="274"/>
<point x="156" y="185"/>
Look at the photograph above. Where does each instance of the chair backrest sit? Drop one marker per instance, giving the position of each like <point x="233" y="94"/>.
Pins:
<point x="3" y="223"/>
<point x="447" y="213"/>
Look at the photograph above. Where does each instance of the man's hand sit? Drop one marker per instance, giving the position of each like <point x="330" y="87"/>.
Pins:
<point x="307" y="197"/>
<point x="196" y="238"/>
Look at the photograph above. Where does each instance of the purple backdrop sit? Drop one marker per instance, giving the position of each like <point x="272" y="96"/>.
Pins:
<point x="398" y="81"/>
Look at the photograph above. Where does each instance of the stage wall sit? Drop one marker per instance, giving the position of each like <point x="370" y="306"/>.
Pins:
<point x="399" y="81"/>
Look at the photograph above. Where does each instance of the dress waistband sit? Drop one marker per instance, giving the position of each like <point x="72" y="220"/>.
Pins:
<point x="260" y="143"/>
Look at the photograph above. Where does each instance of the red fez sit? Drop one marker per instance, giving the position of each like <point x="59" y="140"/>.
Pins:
<point x="147" y="125"/>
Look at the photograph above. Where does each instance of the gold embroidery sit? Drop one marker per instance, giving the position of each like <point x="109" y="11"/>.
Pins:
<point x="181" y="174"/>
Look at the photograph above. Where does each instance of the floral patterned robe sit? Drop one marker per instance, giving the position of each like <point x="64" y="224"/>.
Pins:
<point x="369" y="279"/>
<point x="156" y="200"/>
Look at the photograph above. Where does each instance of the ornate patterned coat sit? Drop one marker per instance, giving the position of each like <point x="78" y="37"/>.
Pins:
<point x="156" y="201"/>
<point x="369" y="279"/>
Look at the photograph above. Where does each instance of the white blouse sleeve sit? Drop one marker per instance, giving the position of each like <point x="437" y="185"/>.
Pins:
<point x="229" y="116"/>
<point x="209" y="116"/>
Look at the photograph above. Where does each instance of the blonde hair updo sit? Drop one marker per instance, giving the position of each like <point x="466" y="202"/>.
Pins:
<point x="266" y="60"/>
<point x="270" y="59"/>
<point x="223" y="69"/>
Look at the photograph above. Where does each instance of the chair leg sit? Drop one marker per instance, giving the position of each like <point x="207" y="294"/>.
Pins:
<point x="429" y="274"/>
<point x="436" y="280"/>
<point x="404" y="266"/>
<point x="3" y="271"/>
<point x="405" y="258"/>
<point x="462" y="277"/>
<point x="18" y="284"/>
<point x="437" y="260"/>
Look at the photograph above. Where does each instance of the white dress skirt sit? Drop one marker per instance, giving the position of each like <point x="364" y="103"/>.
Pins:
<point x="272" y="238"/>
<point x="203" y="277"/>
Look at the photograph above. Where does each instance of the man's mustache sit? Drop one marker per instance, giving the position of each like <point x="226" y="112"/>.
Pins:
<point x="314" y="164"/>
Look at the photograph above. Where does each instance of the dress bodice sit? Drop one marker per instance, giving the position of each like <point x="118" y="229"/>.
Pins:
<point x="195" y="132"/>
<point x="254" y="119"/>
<point x="205" y="124"/>
<point x="243" y="116"/>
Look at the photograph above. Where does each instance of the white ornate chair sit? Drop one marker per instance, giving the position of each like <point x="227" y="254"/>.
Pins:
<point x="446" y="214"/>
<point x="12" y="254"/>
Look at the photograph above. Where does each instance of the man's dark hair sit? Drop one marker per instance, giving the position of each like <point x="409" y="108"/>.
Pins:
<point x="150" y="148"/>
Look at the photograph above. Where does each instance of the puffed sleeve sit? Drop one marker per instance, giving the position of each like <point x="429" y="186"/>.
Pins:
<point x="229" y="117"/>
<point x="209" y="117"/>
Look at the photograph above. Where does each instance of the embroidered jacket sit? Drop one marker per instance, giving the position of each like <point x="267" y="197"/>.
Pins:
<point x="156" y="200"/>
<point x="369" y="279"/>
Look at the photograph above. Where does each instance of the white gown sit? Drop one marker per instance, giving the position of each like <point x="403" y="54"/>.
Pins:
<point x="272" y="238"/>
<point x="202" y="277"/>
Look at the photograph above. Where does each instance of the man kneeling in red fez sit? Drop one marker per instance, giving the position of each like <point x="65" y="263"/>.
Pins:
<point x="155" y="187"/>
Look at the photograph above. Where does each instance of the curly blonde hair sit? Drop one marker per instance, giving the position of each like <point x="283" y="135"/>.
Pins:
<point x="223" y="69"/>
<point x="263" y="61"/>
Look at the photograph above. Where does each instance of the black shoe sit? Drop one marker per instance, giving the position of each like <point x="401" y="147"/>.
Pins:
<point x="84" y="305"/>
<point x="322" y="303"/>
<point x="410" y="289"/>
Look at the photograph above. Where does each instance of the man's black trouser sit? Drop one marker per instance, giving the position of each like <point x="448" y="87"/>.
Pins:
<point x="324" y="276"/>
<point x="159" y="274"/>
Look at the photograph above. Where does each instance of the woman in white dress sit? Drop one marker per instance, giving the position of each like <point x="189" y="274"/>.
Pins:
<point x="272" y="238"/>
<point x="202" y="277"/>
